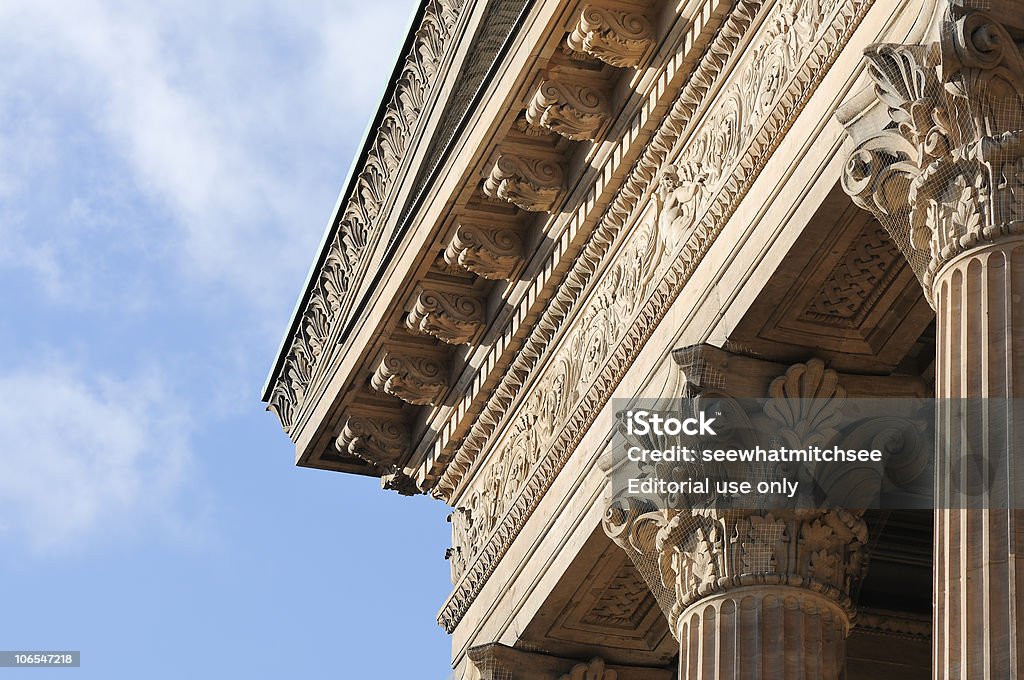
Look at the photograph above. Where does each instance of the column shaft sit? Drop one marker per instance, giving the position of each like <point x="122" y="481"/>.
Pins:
<point x="979" y="561"/>
<point x="763" y="633"/>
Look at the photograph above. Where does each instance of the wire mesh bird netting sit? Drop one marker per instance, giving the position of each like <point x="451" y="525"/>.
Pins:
<point x="945" y="171"/>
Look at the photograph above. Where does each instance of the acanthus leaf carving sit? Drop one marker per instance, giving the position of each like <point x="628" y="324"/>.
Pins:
<point x="617" y="37"/>
<point x="574" y="110"/>
<point x="941" y="175"/>
<point x="687" y="555"/>
<point x="493" y="252"/>
<point x="413" y="378"/>
<point x="455" y="318"/>
<point x="380" y="440"/>
<point x="821" y="28"/>
<point x="533" y="184"/>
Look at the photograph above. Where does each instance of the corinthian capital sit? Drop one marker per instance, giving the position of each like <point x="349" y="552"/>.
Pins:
<point x="686" y="556"/>
<point x="620" y="38"/>
<point x="944" y="172"/>
<point x="455" y="318"/>
<point x="533" y="184"/>
<point x="575" y="111"/>
<point x="413" y="378"/>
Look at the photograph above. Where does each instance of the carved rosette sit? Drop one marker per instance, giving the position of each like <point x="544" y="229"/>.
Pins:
<point x="947" y="174"/>
<point x="490" y="252"/>
<point x="380" y="440"/>
<point x="455" y="318"/>
<point x="533" y="184"/>
<point x="620" y="38"/>
<point x="574" y="111"/>
<point x="414" y="379"/>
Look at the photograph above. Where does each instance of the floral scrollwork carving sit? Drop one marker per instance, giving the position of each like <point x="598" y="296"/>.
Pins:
<point x="455" y="318"/>
<point x="415" y="379"/>
<point x="575" y="111"/>
<point x="493" y="252"/>
<point x="688" y="555"/>
<point x="533" y="184"/>
<point x="376" y="439"/>
<point x="620" y="38"/>
<point x="358" y="222"/>
<point x="944" y="174"/>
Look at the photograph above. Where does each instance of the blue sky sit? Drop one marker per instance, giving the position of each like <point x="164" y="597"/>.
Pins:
<point x="166" y="171"/>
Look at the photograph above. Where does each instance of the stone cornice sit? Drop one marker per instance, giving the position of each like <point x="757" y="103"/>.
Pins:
<point x="789" y="59"/>
<point x="357" y="222"/>
<point x="623" y="206"/>
<point x="341" y="388"/>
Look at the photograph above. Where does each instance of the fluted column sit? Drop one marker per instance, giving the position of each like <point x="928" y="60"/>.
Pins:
<point x="763" y="632"/>
<point x="750" y="595"/>
<point x="979" y="552"/>
<point x="945" y="177"/>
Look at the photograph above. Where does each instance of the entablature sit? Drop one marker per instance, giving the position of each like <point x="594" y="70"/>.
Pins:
<point x="542" y="154"/>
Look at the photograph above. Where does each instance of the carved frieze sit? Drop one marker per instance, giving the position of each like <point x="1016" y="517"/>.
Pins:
<point x="413" y="378"/>
<point x="617" y="37"/>
<point x="574" y="110"/>
<point x="947" y="171"/>
<point x="381" y="440"/>
<point x="533" y="184"/>
<point x="490" y="251"/>
<point x="577" y="381"/>
<point x="453" y="317"/>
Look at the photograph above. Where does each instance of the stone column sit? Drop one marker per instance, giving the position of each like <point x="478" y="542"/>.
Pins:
<point x="979" y="552"/>
<point x="943" y="170"/>
<point x="751" y="594"/>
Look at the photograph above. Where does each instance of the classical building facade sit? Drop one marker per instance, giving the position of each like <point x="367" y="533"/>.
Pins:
<point x="568" y="202"/>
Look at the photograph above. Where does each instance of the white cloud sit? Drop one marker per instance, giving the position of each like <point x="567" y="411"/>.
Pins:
<point x="237" y="121"/>
<point x="233" y="116"/>
<point x="81" y="457"/>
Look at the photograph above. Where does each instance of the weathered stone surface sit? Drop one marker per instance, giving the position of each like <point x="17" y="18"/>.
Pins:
<point x="710" y="208"/>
